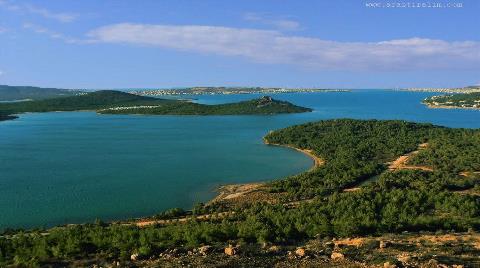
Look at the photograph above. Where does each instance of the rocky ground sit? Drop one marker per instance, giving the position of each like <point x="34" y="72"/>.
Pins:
<point x="388" y="251"/>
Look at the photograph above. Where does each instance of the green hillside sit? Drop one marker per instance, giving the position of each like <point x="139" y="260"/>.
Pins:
<point x="89" y="101"/>
<point x="11" y="93"/>
<point x="353" y="194"/>
<point x="264" y="105"/>
<point x="466" y="100"/>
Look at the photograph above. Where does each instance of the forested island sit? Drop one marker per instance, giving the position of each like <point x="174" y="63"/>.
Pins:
<point x="117" y="102"/>
<point x="389" y="193"/>
<point x="465" y="101"/>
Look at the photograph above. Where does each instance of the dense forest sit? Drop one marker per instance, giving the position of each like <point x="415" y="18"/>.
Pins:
<point x="89" y="101"/>
<point x="264" y="105"/>
<point x="356" y="154"/>
<point x="116" y="102"/>
<point x="465" y="100"/>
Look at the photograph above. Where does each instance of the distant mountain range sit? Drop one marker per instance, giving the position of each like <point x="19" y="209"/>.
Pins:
<point x="13" y="93"/>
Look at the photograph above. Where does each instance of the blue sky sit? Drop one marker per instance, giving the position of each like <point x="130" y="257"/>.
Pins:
<point x="158" y="44"/>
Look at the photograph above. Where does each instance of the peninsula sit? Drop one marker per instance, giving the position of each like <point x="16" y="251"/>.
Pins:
<point x="358" y="208"/>
<point x="117" y="102"/>
<point x="461" y="101"/>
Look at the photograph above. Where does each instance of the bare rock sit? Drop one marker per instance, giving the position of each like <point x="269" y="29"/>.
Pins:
<point x="300" y="252"/>
<point x="404" y="258"/>
<point x="205" y="250"/>
<point x="274" y="249"/>
<point x="231" y="250"/>
<point x="384" y="244"/>
<point x="329" y="244"/>
<point x="336" y="256"/>
<point x="389" y="265"/>
<point x="432" y="264"/>
<point x="134" y="256"/>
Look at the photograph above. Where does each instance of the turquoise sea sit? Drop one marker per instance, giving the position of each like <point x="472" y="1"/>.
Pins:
<point x="73" y="167"/>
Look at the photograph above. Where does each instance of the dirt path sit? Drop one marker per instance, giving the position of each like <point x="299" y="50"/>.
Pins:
<point x="401" y="162"/>
<point x="232" y="191"/>
<point x="145" y="222"/>
<point x="469" y="173"/>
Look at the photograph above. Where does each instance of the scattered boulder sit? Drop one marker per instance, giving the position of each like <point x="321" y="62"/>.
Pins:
<point x="134" y="257"/>
<point x="432" y="264"/>
<point x="389" y="265"/>
<point x="300" y="252"/>
<point x="273" y="249"/>
<point x="404" y="258"/>
<point x="329" y="244"/>
<point x="205" y="250"/>
<point x="337" y="256"/>
<point x="231" y="250"/>
<point x="384" y="244"/>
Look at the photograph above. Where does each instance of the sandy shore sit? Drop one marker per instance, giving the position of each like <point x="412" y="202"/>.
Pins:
<point x="232" y="192"/>
<point x="317" y="161"/>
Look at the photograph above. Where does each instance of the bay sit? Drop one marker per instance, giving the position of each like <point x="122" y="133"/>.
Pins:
<point x="74" y="167"/>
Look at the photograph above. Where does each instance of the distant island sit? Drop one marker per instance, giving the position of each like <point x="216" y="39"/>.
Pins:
<point x="462" y="101"/>
<point x="117" y="102"/>
<point x="385" y="193"/>
<point x="18" y="93"/>
<point x="230" y="90"/>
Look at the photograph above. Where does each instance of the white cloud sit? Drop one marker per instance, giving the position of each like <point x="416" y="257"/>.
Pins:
<point x="280" y="24"/>
<point x="62" y="17"/>
<point x="52" y="34"/>
<point x="277" y="48"/>
<point x="28" y="8"/>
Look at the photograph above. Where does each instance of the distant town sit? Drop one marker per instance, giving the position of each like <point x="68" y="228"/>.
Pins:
<point x="230" y="90"/>
<point x="468" y="89"/>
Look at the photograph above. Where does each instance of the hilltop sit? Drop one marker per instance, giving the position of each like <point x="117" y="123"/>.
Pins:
<point x="12" y="93"/>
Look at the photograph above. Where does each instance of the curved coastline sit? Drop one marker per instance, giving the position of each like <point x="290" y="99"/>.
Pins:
<point x="317" y="161"/>
<point x="232" y="191"/>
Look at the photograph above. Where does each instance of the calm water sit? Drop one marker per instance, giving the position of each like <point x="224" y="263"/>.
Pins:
<point x="58" y="168"/>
